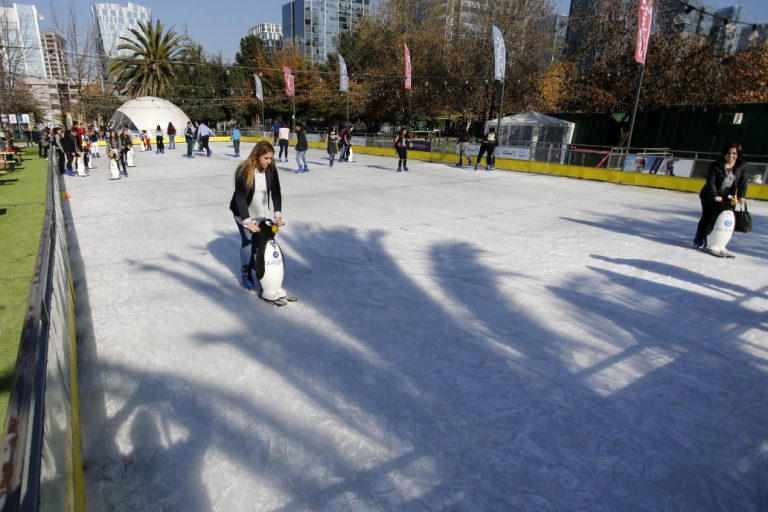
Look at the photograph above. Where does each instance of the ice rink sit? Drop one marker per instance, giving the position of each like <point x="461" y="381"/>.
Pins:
<point x="463" y="341"/>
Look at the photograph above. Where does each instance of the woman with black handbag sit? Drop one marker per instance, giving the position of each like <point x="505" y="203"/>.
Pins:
<point x="726" y="185"/>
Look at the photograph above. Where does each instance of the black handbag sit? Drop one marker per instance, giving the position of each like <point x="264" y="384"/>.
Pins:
<point x="743" y="220"/>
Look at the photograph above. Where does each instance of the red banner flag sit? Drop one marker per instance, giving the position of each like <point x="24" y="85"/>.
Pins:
<point x="644" y="22"/>
<point x="288" y="77"/>
<point x="407" y="58"/>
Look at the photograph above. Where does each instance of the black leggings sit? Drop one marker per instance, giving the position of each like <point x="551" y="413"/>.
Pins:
<point x="490" y="159"/>
<point x="403" y="154"/>
<point x="709" y="211"/>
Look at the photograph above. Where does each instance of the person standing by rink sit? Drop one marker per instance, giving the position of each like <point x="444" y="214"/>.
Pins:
<point x="235" y="137"/>
<point x="283" y="136"/>
<point x="159" y="144"/>
<point x="115" y="147"/>
<point x="726" y="185"/>
<point x="205" y="133"/>
<point x="301" y="149"/>
<point x="69" y="143"/>
<point x="461" y="145"/>
<point x="401" y="146"/>
<point x="488" y="146"/>
<point x="257" y="197"/>
<point x="126" y="144"/>
<point x="331" y="143"/>
<point x="189" y="138"/>
<point x="93" y="139"/>
<point x="57" y="147"/>
<point x="171" y="131"/>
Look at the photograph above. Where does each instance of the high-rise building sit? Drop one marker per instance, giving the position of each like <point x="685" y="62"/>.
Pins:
<point x="113" y="21"/>
<point x="314" y="26"/>
<point x="54" y="55"/>
<point x="271" y="35"/>
<point x="21" y="33"/>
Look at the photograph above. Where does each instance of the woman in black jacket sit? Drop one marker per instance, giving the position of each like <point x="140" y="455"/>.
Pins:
<point x="726" y="185"/>
<point x="257" y="197"/>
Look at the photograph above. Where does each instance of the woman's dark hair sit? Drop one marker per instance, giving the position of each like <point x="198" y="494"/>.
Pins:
<point x="726" y="149"/>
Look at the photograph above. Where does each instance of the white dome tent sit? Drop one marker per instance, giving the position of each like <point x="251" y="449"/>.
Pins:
<point x="146" y="113"/>
<point x="531" y="129"/>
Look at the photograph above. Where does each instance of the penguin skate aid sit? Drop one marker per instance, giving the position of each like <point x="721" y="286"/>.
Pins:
<point x="269" y="265"/>
<point x="255" y="201"/>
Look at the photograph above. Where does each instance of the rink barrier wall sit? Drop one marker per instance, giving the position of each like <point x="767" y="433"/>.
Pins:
<point x="42" y="465"/>
<point x="678" y="183"/>
<point x="681" y="184"/>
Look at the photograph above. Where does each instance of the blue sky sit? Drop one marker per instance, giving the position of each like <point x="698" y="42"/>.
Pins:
<point x="220" y="26"/>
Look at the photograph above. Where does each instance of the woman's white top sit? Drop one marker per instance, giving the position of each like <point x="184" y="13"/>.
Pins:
<point x="259" y="207"/>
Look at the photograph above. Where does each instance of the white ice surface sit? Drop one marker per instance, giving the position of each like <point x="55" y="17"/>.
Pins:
<point x="462" y="341"/>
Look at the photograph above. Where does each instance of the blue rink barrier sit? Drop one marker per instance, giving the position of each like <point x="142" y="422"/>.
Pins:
<point x="41" y="452"/>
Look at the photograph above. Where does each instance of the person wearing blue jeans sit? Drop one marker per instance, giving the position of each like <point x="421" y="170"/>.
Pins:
<point x="236" y="140"/>
<point x="189" y="136"/>
<point x="301" y="149"/>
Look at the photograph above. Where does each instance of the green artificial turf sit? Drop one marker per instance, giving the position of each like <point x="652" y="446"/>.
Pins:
<point x="22" y="208"/>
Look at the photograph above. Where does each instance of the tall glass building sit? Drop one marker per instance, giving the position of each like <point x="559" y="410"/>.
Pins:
<point x="314" y="26"/>
<point x="23" y="39"/>
<point x="113" y="21"/>
<point x="271" y="34"/>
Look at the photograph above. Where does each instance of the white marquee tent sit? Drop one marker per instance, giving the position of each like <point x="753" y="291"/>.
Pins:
<point x="147" y="112"/>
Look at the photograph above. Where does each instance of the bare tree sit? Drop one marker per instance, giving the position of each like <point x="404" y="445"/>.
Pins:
<point x="80" y="35"/>
<point x="15" y="96"/>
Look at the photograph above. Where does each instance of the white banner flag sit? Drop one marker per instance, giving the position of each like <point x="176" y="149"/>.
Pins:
<point x="343" y="78"/>
<point x="259" y="91"/>
<point x="500" y="54"/>
<point x="407" y="59"/>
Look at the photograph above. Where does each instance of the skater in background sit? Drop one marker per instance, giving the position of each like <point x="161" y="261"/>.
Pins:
<point x="58" y="148"/>
<point x="726" y="185"/>
<point x="283" y="136"/>
<point x="171" y="131"/>
<point x="401" y="146"/>
<point x="69" y="143"/>
<point x="487" y="147"/>
<point x="115" y="146"/>
<point x="331" y="143"/>
<point x="205" y="134"/>
<point x="461" y="145"/>
<point x="256" y="197"/>
<point x="93" y="139"/>
<point x="235" y="138"/>
<point x="159" y="143"/>
<point x="126" y="144"/>
<point x="301" y="149"/>
<point x="189" y="138"/>
<point x="275" y="130"/>
<point x="346" y="140"/>
<point x="46" y="142"/>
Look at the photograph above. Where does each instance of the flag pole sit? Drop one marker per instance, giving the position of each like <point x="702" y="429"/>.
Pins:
<point x="501" y="109"/>
<point x="645" y="14"/>
<point x="634" y="108"/>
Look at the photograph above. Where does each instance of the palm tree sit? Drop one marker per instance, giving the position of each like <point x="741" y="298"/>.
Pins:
<point x="150" y="68"/>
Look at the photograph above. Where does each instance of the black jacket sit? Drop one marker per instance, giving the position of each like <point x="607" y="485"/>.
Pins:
<point x="715" y="177"/>
<point x="69" y="143"/>
<point x="243" y="194"/>
<point x="301" y="141"/>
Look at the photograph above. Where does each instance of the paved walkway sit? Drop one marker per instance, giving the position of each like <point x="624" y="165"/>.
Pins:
<point x="463" y="341"/>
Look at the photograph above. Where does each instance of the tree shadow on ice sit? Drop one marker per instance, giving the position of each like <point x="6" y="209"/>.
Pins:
<point x="678" y="230"/>
<point x="447" y="386"/>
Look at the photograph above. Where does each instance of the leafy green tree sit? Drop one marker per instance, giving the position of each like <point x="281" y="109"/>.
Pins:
<point x="149" y="69"/>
